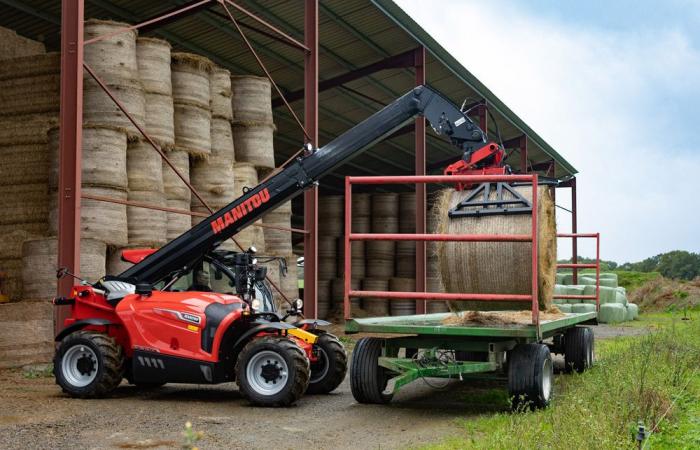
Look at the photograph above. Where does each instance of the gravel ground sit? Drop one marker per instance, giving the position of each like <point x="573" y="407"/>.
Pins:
<point x="36" y="414"/>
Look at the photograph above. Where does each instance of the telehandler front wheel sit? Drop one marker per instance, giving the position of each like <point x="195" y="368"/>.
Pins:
<point x="88" y="364"/>
<point x="272" y="371"/>
<point x="329" y="370"/>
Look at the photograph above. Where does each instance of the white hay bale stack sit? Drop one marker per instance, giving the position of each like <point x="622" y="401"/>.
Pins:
<point x="278" y="242"/>
<point x="104" y="157"/>
<point x="40" y="262"/>
<point x="153" y="59"/>
<point x="190" y="79"/>
<point x="30" y="85"/>
<point x="144" y="168"/>
<point x="220" y="84"/>
<point x="375" y="306"/>
<point x="380" y="259"/>
<point x="147" y="227"/>
<point x="177" y="223"/>
<point x="113" y="59"/>
<point x="160" y="119"/>
<point x="174" y="187"/>
<point x="331" y="215"/>
<point x="12" y="281"/>
<point x="327" y="257"/>
<point x="498" y="267"/>
<point x="402" y="307"/>
<point x="251" y="99"/>
<point x="23" y="204"/>
<point x="99" y="109"/>
<point x="193" y="130"/>
<point x="99" y="220"/>
<point x="405" y="259"/>
<point x="323" y="296"/>
<point x="254" y="144"/>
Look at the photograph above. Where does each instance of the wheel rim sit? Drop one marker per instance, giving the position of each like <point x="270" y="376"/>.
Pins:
<point x="319" y="369"/>
<point x="79" y="365"/>
<point x="267" y="372"/>
<point x="547" y="379"/>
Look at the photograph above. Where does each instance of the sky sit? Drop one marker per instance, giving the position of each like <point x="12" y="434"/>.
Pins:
<point x="614" y="87"/>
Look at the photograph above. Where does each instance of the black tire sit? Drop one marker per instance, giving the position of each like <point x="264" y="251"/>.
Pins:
<point x="579" y="351"/>
<point x="281" y="351"/>
<point x="88" y="364"/>
<point x="466" y="355"/>
<point x="332" y="365"/>
<point x="367" y="378"/>
<point x="530" y="376"/>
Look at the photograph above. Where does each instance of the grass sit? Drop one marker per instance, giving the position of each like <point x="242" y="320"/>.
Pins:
<point x="651" y="378"/>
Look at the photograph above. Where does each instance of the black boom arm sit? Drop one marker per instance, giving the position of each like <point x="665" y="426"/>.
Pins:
<point x="444" y="116"/>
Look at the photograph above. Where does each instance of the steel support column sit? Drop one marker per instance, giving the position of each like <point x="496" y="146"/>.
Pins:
<point x="71" y="134"/>
<point x="574" y="230"/>
<point x="421" y="282"/>
<point x="311" y="125"/>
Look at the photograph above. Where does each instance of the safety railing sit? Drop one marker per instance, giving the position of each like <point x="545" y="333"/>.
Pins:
<point x="532" y="297"/>
<point x="576" y="266"/>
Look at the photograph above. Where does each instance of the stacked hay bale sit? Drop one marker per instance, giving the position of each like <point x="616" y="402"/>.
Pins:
<point x="278" y="243"/>
<point x="14" y="46"/>
<point x="330" y="245"/>
<point x="614" y="306"/>
<point x="497" y="267"/>
<point x="403" y="307"/>
<point x="432" y="267"/>
<point x="245" y="176"/>
<point x="406" y="250"/>
<point x="253" y="127"/>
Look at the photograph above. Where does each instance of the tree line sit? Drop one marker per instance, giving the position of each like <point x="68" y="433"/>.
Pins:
<point x="677" y="264"/>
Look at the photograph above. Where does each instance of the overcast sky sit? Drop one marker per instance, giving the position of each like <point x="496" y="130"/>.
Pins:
<point x="614" y="87"/>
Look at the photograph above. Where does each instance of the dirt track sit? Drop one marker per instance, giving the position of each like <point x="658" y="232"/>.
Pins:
<point x="35" y="414"/>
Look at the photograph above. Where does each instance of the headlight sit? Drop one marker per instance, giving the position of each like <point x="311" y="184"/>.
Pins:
<point x="255" y="304"/>
<point x="255" y="261"/>
<point x="298" y="304"/>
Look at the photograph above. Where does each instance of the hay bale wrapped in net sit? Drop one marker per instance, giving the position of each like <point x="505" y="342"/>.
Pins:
<point x="244" y="175"/>
<point x="103" y="158"/>
<point x="144" y="168"/>
<point x="357" y="258"/>
<point x="385" y="213"/>
<point x="153" y="59"/>
<point x="251" y="99"/>
<point x="99" y="109"/>
<point x="361" y="213"/>
<point x="407" y="212"/>
<point x="278" y="242"/>
<point x="220" y="83"/>
<point x="254" y="144"/>
<point x="193" y="130"/>
<point x="497" y="267"/>
<point x="99" y="220"/>
<point x="174" y="187"/>
<point x="190" y="79"/>
<point x="11" y="247"/>
<point x="327" y="257"/>
<point x="147" y="227"/>
<point x="160" y="119"/>
<point x="40" y="262"/>
<point x="222" y="141"/>
<point x="403" y="307"/>
<point x="23" y="204"/>
<point x="331" y="215"/>
<point x="213" y="177"/>
<point x="176" y="223"/>
<point x="338" y="293"/>
<point x="380" y="258"/>
<point x="113" y="58"/>
<point x="375" y="306"/>
<point x="405" y="259"/>
<point x="12" y="281"/>
<point x="323" y="297"/>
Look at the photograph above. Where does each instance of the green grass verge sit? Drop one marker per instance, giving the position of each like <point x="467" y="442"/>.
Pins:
<point x="652" y="378"/>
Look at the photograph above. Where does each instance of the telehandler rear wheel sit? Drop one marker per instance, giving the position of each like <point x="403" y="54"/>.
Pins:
<point x="272" y="371"/>
<point x="329" y="371"/>
<point x="88" y="364"/>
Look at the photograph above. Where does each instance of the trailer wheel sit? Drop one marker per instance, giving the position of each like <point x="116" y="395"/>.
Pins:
<point x="329" y="371"/>
<point x="530" y="376"/>
<point x="367" y="378"/>
<point x="578" y="349"/>
<point x="272" y="371"/>
<point x="88" y="364"/>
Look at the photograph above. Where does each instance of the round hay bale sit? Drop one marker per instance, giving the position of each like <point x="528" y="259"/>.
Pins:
<point x="31" y="95"/>
<point x="385" y="224"/>
<point x="24" y="163"/>
<point x="115" y="265"/>
<point x="153" y="59"/>
<point x="24" y="203"/>
<point x="323" y="297"/>
<point x="357" y="258"/>
<point x="254" y="144"/>
<point x="379" y="268"/>
<point x="612" y="313"/>
<point x="251" y="236"/>
<point x="402" y="307"/>
<point x="407" y="212"/>
<point x="222" y="141"/>
<point x="147" y="227"/>
<point x="358" y="267"/>
<point x="434" y="284"/>
<point x="104" y="158"/>
<point x="405" y="259"/>
<point x="361" y="205"/>
<point x="327" y="247"/>
<point x="193" y="130"/>
<point x="173" y="186"/>
<point x="632" y="312"/>
<point x="277" y="242"/>
<point x="498" y="267"/>
<point x="144" y="168"/>
<point x="177" y="224"/>
<point x="102" y="221"/>
<point x="220" y="82"/>
<point x="29" y="129"/>
<point x="30" y="66"/>
<point x="11" y="247"/>
<point x="190" y="79"/>
<point x="12" y="281"/>
<point x="338" y="293"/>
<point x="331" y="210"/>
<point x="160" y="119"/>
<point x="215" y="182"/>
<point x="382" y="250"/>
<point x="245" y="176"/>
<point x="112" y="59"/>
<point x="385" y="205"/>
<point x="607" y="294"/>
<point x="251" y="99"/>
<point x="99" y="109"/>
<point x="40" y="261"/>
<point x="327" y="268"/>
<point x="375" y="306"/>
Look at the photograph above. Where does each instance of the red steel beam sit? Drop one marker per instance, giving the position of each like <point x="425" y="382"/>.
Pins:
<point x="311" y="125"/>
<point x="574" y="230"/>
<point x="576" y="266"/>
<point x="71" y="134"/>
<point x="426" y="237"/>
<point x="411" y="179"/>
<point x="535" y="259"/>
<point x="420" y="170"/>
<point x="393" y="295"/>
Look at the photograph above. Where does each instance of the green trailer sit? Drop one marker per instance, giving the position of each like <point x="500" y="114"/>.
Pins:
<point x="423" y="345"/>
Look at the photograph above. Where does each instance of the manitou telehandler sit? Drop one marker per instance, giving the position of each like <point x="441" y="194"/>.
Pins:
<point x="187" y="313"/>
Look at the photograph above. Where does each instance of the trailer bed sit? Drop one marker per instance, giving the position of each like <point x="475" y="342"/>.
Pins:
<point x="432" y="324"/>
